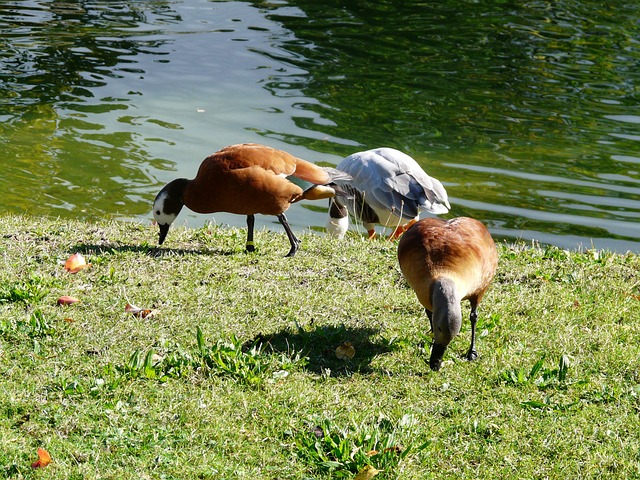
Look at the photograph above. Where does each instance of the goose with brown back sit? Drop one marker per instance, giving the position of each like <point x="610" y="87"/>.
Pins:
<point x="446" y="262"/>
<point x="247" y="179"/>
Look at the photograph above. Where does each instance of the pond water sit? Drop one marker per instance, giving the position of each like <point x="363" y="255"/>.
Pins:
<point x="528" y="112"/>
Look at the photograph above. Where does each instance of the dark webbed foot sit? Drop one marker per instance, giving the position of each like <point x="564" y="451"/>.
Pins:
<point x="472" y="354"/>
<point x="294" y="248"/>
<point x="295" y="243"/>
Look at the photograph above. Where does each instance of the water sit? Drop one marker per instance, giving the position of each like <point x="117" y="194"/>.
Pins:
<point x="528" y="112"/>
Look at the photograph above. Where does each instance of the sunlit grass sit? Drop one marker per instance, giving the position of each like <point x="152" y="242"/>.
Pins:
<point x="235" y="374"/>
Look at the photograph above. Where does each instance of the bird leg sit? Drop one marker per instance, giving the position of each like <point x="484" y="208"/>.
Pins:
<point x="472" y="354"/>
<point x="295" y="243"/>
<point x="400" y="229"/>
<point x="430" y="315"/>
<point x="250" y="246"/>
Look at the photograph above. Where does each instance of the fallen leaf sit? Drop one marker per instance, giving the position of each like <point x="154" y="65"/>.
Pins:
<point x="345" y="351"/>
<point x="394" y="449"/>
<point x="75" y="263"/>
<point x="366" y="473"/>
<point x="67" y="300"/>
<point x="69" y="320"/>
<point x="140" y="312"/>
<point x="44" y="459"/>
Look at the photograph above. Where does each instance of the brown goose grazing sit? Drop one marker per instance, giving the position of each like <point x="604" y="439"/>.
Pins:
<point x="246" y="179"/>
<point x="446" y="262"/>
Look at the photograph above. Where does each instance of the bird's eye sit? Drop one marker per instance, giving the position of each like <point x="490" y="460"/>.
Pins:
<point x="157" y="212"/>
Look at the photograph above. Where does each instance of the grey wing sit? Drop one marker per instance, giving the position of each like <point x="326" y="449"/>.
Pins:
<point x="394" y="181"/>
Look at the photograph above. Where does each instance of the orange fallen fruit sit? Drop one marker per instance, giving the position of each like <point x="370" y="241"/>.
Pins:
<point x="67" y="300"/>
<point x="75" y="263"/>
<point x="44" y="459"/>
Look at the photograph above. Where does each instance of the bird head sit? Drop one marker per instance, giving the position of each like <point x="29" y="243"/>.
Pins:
<point x="167" y="206"/>
<point x="447" y="318"/>
<point x="338" y="221"/>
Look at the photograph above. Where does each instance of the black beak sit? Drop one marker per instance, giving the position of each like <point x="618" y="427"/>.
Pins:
<point x="437" y="352"/>
<point x="164" y="229"/>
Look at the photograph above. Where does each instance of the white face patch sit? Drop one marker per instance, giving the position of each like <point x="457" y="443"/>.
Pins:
<point x="337" y="227"/>
<point x="158" y="211"/>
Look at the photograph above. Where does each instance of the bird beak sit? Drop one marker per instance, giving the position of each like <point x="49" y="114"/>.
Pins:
<point x="164" y="229"/>
<point x="437" y="352"/>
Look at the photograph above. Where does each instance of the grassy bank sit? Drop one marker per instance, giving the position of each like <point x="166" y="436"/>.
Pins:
<point x="234" y="374"/>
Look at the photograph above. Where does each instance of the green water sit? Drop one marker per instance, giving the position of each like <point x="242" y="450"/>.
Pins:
<point x="528" y="112"/>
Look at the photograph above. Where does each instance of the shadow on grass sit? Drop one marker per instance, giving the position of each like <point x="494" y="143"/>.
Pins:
<point x="319" y="346"/>
<point x="108" y="248"/>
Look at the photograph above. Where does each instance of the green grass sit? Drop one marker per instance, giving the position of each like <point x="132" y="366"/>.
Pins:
<point x="236" y="376"/>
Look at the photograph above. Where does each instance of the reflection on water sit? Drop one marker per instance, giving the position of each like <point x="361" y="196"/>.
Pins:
<point x="527" y="113"/>
<point x="62" y="148"/>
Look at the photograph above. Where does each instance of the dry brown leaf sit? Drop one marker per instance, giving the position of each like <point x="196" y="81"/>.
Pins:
<point x="75" y="263"/>
<point x="395" y="449"/>
<point x="367" y="473"/>
<point x="140" y="312"/>
<point x="44" y="459"/>
<point x="345" y="351"/>
<point x="67" y="300"/>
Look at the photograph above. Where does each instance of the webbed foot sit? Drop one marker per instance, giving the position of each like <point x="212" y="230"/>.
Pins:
<point x="472" y="354"/>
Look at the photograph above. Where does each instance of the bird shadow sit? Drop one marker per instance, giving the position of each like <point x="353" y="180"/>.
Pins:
<point x="109" y="248"/>
<point x="318" y="345"/>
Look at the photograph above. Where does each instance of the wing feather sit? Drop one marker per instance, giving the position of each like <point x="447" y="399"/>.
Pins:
<point x="394" y="181"/>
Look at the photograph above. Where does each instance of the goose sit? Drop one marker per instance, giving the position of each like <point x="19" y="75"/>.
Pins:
<point x="389" y="188"/>
<point x="246" y="179"/>
<point x="446" y="262"/>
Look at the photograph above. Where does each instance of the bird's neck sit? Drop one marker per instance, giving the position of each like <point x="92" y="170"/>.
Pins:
<point x="172" y="196"/>
<point x="178" y="187"/>
<point x="447" y="314"/>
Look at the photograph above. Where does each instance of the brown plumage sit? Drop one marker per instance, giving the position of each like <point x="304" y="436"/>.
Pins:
<point x="246" y="179"/>
<point x="446" y="262"/>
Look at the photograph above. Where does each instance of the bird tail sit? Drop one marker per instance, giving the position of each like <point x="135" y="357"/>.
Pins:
<point x="436" y="200"/>
<point x="332" y="188"/>
<point x="318" y="192"/>
<point x="337" y="176"/>
<point x="312" y="173"/>
<point x="342" y="191"/>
